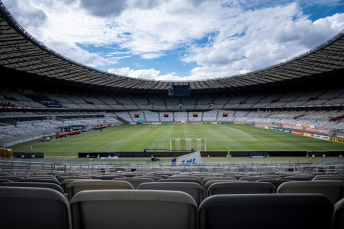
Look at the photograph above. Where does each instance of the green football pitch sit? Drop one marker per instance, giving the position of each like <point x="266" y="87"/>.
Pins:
<point x="133" y="138"/>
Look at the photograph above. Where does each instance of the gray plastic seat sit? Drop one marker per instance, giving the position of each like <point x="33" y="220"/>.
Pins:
<point x="133" y="209"/>
<point x="253" y="178"/>
<point x="54" y="181"/>
<point x="327" y="177"/>
<point x="83" y="185"/>
<point x="182" y="176"/>
<point x="197" y="181"/>
<point x="205" y="180"/>
<point x="299" y="178"/>
<point x="241" y="188"/>
<point x="211" y="182"/>
<point x="66" y="182"/>
<point x="135" y="182"/>
<point x="193" y="189"/>
<point x="14" y="178"/>
<point x="275" y="182"/>
<point x="5" y="180"/>
<point x="64" y="177"/>
<point x="332" y="189"/>
<point x="338" y="215"/>
<point x="39" y="208"/>
<point x="34" y="184"/>
<point x="268" y="211"/>
<point x="109" y="177"/>
<point x="154" y="178"/>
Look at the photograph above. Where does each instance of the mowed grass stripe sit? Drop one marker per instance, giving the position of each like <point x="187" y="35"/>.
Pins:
<point x="139" y="137"/>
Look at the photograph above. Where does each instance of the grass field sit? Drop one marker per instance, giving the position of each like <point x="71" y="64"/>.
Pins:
<point x="140" y="137"/>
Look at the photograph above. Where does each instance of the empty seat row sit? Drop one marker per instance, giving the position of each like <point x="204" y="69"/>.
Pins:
<point x="334" y="189"/>
<point x="27" y="207"/>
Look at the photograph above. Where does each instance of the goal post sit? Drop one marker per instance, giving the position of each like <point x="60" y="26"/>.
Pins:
<point x="186" y="144"/>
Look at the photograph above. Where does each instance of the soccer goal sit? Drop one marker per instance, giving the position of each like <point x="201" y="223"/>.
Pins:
<point x="186" y="144"/>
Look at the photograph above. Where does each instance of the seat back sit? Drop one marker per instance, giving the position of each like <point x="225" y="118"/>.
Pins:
<point x="328" y="177"/>
<point x="241" y="188"/>
<point x="155" y="178"/>
<point x="211" y="182"/>
<point x="299" y="178"/>
<point x="193" y="189"/>
<point x="183" y="176"/>
<point x="253" y="178"/>
<point x="275" y="182"/>
<point x="109" y="177"/>
<point x="34" y="184"/>
<point x="54" y="181"/>
<point x="197" y="181"/>
<point x="28" y="207"/>
<point x="268" y="211"/>
<point x="64" y="177"/>
<point x="133" y="209"/>
<point x="205" y="180"/>
<point x="66" y="182"/>
<point x="5" y="180"/>
<point x="135" y="182"/>
<point x="332" y="189"/>
<point x="338" y="215"/>
<point x="82" y="185"/>
<point x="13" y="178"/>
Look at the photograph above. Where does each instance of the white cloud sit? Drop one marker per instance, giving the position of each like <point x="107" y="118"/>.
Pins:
<point x="80" y="55"/>
<point x="150" y="74"/>
<point x="147" y="56"/>
<point x="259" y="39"/>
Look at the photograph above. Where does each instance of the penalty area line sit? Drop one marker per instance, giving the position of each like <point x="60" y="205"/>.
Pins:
<point x="105" y="146"/>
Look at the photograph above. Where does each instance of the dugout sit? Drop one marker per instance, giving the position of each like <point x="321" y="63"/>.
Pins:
<point x="28" y="155"/>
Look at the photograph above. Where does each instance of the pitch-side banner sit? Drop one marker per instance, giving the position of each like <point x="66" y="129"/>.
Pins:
<point x="188" y="159"/>
<point x="314" y="130"/>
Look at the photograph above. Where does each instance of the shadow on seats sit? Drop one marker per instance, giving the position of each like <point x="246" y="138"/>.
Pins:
<point x="338" y="215"/>
<point x="268" y="211"/>
<point x="39" y="208"/>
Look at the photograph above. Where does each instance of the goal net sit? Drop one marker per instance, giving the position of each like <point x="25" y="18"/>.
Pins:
<point x="186" y="144"/>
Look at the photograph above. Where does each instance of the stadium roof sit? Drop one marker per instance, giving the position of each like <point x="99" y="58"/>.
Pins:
<point x="26" y="61"/>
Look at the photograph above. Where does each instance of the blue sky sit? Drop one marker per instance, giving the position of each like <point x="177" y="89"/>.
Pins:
<point x="180" y="39"/>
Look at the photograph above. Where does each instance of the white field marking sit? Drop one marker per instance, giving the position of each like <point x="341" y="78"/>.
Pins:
<point x="255" y="139"/>
<point x="105" y="145"/>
